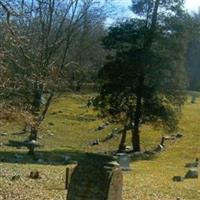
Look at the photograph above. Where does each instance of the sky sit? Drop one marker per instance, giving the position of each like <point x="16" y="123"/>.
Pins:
<point x="191" y="5"/>
<point x="122" y="7"/>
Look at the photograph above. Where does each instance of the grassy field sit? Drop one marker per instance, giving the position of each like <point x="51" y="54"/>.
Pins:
<point x="68" y="130"/>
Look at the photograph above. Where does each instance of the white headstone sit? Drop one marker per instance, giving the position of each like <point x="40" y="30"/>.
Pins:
<point x="124" y="161"/>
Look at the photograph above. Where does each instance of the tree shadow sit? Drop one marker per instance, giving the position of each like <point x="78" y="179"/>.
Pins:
<point x="42" y="157"/>
<point x="144" y="157"/>
<point x="134" y="157"/>
<point x="63" y="157"/>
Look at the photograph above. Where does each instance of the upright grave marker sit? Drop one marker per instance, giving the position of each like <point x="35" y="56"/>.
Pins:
<point x="96" y="178"/>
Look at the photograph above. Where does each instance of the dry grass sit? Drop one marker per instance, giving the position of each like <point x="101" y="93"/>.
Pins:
<point x="73" y="128"/>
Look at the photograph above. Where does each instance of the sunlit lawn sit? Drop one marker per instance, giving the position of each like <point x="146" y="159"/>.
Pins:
<point x="70" y="127"/>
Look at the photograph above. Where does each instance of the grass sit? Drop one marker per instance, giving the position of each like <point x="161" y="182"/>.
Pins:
<point x="68" y="129"/>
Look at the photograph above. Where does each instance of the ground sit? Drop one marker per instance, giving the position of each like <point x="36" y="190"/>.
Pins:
<point x="68" y="130"/>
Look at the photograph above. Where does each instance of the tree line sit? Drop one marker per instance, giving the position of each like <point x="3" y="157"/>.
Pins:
<point x="54" y="44"/>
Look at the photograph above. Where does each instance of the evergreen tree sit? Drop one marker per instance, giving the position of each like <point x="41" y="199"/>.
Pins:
<point x="193" y="52"/>
<point x="143" y="79"/>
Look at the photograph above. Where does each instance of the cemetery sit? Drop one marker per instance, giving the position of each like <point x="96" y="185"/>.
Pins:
<point x="99" y="100"/>
<point x="142" y="180"/>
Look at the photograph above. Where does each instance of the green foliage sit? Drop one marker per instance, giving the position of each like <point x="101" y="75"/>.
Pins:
<point x="159" y="67"/>
<point x="145" y="8"/>
<point x="193" y="52"/>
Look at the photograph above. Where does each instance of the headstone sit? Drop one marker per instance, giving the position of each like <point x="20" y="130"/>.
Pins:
<point x="95" y="142"/>
<point x="192" y="165"/>
<point x="194" y="96"/>
<point x="17" y="158"/>
<point x="129" y="148"/>
<point x="50" y="134"/>
<point x="40" y="161"/>
<point x="101" y="127"/>
<point x="66" y="159"/>
<point x="159" y="148"/>
<point x="34" y="175"/>
<point x="178" y="178"/>
<point x="179" y="135"/>
<point x="69" y="171"/>
<point x="51" y="124"/>
<point x="96" y="178"/>
<point x="15" y="178"/>
<point x="3" y="134"/>
<point x="192" y="173"/>
<point x="124" y="161"/>
<point x="170" y="137"/>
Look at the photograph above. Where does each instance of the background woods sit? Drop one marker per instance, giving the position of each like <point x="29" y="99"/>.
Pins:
<point x="48" y="45"/>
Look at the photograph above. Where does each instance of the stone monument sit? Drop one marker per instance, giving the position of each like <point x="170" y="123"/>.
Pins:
<point x="95" y="178"/>
<point x="124" y="161"/>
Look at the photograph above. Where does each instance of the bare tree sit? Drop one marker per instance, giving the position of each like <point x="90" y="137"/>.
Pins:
<point x="39" y="42"/>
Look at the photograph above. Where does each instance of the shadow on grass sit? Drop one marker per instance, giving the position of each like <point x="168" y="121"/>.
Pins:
<point x="53" y="157"/>
<point x="62" y="157"/>
<point x="143" y="157"/>
<point x="140" y="156"/>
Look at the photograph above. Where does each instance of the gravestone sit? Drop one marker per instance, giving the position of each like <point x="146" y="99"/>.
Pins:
<point x="69" y="171"/>
<point x="178" y="178"/>
<point x="192" y="165"/>
<point x="124" y="161"/>
<point x="192" y="173"/>
<point x="194" y="96"/>
<point x="96" y="178"/>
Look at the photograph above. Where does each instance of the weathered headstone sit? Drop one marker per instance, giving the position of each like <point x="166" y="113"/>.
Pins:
<point x="192" y="165"/>
<point x="178" y="178"/>
<point x="179" y="135"/>
<point x="192" y="173"/>
<point x="95" y="142"/>
<point x="96" y="178"/>
<point x="66" y="159"/>
<point x="159" y="148"/>
<point x="194" y="96"/>
<point x="3" y="134"/>
<point x="69" y="171"/>
<point x="124" y="161"/>
<point x="35" y="175"/>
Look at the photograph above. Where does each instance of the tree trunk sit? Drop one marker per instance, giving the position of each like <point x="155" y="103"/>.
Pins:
<point x="146" y="47"/>
<point x="135" y="129"/>
<point x="137" y="116"/>
<point x="33" y="135"/>
<point x="37" y="99"/>
<point x="31" y="151"/>
<point x="77" y="86"/>
<point x="122" y="145"/>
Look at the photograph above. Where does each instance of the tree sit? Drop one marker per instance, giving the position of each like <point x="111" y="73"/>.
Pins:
<point x="143" y="80"/>
<point x="37" y="48"/>
<point x="193" y="53"/>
